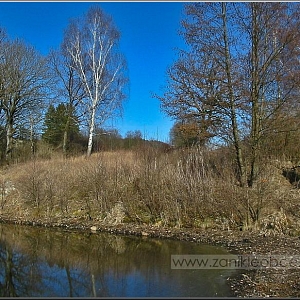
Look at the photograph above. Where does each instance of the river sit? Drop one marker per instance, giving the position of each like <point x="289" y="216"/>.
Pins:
<point x="44" y="262"/>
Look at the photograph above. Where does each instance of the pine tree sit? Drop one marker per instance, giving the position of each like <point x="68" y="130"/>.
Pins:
<point x="60" y="122"/>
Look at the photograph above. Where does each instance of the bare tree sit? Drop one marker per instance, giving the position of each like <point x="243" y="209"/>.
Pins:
<point x="272" y="67"/>
<point x="24" y="80"/>
<point x="92" y="44"/>
<point x="241" y="71"/>
<point x="69" y="88"/>
<point x="191" y="96"/>
<point x="204" y="82"/>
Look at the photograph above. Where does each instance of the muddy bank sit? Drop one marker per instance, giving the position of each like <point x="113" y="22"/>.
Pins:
<point x="250" y="283"/>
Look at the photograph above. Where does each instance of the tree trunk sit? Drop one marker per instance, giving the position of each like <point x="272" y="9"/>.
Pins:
<point x="91" y="132"/>
<point x="65" y="138"/>
<point x="32" y="143"/>
<point x="233" y="118"/>
<point x="255" y="124"/>
<point x="9" y="140"/>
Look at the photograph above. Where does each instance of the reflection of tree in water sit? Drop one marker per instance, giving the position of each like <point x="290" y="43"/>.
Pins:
<point x="69" y="264"/>
<point x="19" y="275"/>
<point x="73" y="264"/>
<point x="8" y="286"/>
<point x="65" y="281"/>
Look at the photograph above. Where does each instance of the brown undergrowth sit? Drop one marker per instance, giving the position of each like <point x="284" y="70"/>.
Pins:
<point x="182" y="188"/>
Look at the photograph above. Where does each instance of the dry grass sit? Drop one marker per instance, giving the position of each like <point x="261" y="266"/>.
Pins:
<point x="191" y="188"/>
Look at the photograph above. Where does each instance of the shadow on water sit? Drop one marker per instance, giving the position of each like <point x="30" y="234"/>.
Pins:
<point x="40" y="262"/>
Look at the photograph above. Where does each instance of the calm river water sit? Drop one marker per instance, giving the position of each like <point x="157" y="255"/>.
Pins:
<point x="41" y="262"/>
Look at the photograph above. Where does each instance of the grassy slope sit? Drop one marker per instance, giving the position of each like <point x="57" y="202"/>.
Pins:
<point x="186" y="188"/>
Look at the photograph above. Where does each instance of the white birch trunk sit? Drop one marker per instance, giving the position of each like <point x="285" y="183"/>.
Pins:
<point x="91" y="132"/>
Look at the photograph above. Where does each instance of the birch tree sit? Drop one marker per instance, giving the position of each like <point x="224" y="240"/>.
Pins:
<point x="92" y="43"/>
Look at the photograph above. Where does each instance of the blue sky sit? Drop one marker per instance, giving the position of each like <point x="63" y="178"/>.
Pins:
<point x="149" y="38"/>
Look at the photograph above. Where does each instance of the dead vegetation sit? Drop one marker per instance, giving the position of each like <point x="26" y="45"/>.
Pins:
<point x="183" y="188"/>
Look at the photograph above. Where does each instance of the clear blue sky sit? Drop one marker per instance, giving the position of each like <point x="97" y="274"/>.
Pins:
<point x="149" y="38"/>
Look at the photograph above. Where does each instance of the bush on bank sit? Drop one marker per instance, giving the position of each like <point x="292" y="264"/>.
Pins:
<point x="181" y="188"/>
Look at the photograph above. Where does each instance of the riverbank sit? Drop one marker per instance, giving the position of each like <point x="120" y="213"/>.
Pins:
<point x="249" y="283"/>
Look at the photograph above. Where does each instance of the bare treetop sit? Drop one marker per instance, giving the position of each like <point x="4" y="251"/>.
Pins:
<point x="92" y="44"/>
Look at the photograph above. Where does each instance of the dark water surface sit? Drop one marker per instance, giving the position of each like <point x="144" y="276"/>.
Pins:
<point x="41" y="262"/>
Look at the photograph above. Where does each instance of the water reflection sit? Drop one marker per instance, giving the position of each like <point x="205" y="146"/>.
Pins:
<point x="39" y="262"/>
